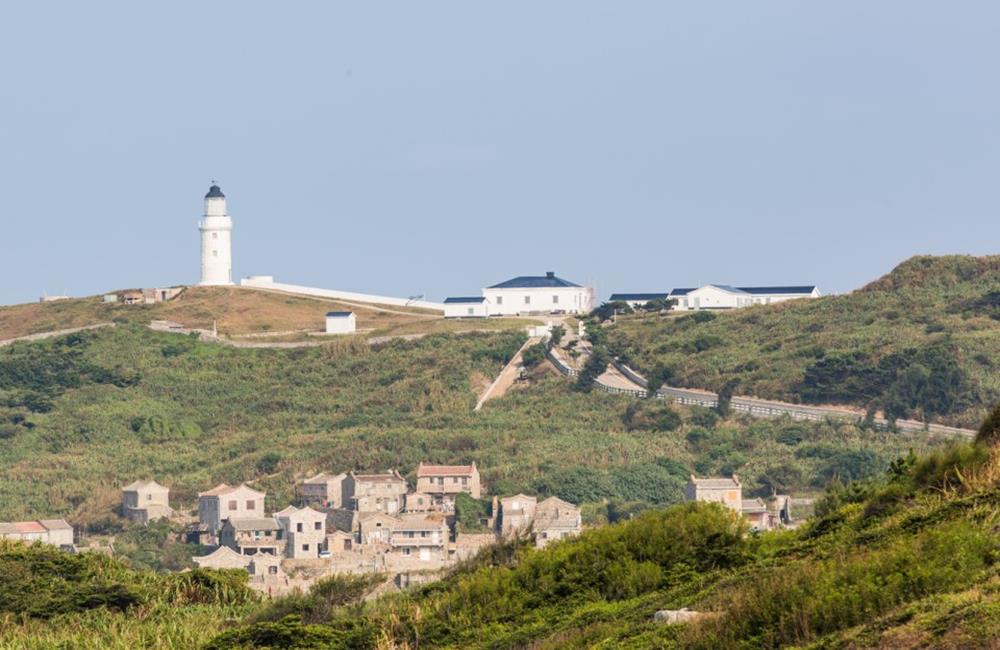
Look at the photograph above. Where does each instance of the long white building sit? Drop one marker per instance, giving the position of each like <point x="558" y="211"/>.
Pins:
<point x="538" y="294"/>
<point x="723" y="296"/>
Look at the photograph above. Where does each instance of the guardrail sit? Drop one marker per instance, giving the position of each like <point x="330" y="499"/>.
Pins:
<point x="560" y="365"/>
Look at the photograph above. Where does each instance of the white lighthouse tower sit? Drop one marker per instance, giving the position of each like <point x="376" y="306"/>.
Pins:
<point x="216" y="240"/>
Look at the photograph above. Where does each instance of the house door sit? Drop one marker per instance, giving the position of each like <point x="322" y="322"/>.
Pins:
<point x="425" y="554"/>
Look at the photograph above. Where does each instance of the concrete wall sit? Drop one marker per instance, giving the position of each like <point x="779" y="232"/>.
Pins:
<point x="267" y="282"/>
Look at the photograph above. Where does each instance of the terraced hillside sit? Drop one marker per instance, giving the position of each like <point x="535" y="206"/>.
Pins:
<point x="922" y="342"/>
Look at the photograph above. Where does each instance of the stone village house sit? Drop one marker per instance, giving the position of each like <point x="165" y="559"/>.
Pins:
<point x="144" y="501"/>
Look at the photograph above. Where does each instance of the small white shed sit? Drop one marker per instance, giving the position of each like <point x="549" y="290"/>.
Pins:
<point x="341" y="322"/>
<point x="465" y="307"/>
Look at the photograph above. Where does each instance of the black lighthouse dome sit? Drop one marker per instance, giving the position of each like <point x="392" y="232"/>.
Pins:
<point x="215" y="192"/>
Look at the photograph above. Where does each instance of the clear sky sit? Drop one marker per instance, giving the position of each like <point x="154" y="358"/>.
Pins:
<point x="438" y="147"/>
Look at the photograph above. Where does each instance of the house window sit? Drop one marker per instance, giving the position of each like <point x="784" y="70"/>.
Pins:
<point x="454" y="479"/>
<point x="149" y="497"/>
<point x="215" y="235"/>
<point x="215" y="253"/>
<point x="471" y="311"/>
<point x="319" y="525"/>
<point x="273" y="570"/>
<point x="555" y="300"/>
<point x="305" y="547"/>
<point x="465" y="480"/>
<point x="499" y="300"/>
<point x="267" y="533"/>
<point x="250" y="505"/>
<point x="298" y="527"/>
<point x="232" y="505"/>
<point x="527" y="300"/>
<point x="406" y="550"/>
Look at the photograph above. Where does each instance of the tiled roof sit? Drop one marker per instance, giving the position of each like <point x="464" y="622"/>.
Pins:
<point x="779" y="290"/>
<point x="323" y="477"/>
<point x="392" y="476"/>
<point x="55" y="524"/>
<point x="534" y="282"/>
<point x="682" y="292"/>
<point x="222" y="489"/>
<point x="135" y="486"/>
<point x="615" y="297"/>
<point x="718" y="483"/>
<point x="29" y="527"/>
<point x="445" y="470"/>
<point x="339" y="314"/>
<point x="752" y="506"/>
<point x="463" y="299"/>
<point x="254" y="523"/>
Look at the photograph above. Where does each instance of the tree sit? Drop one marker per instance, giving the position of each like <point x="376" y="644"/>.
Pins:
<point x="660" y="304"/>
<point x="608" y="309"/>
<point x="556" y="335"/>
<point x="533" y="355"/>
<point x="595" y="366"/>
<point x="725" y="397"/>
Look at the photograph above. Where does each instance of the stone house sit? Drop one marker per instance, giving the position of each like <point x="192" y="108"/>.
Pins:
<point x="726" y="491"/>
<point x="515" y="514"/>
<point x="418" y="502"/>
<point x="325" y="490"/>
<point x="227" y="502"/>
<point x="49" y="531"/>
<point x="375" y="492"/>
<point x="144" y="501"/>
<point x="554" y="520"/>
<point x="222" y="558"/>
<point x="757" y="514"/>
<point x="338" y="541"/>
<point x="375" y="528"/>
<point x="305" y="532"/>
<point x="444" y="482"/>
<point x="250" y="536"/>
<point x="423" y="538"/>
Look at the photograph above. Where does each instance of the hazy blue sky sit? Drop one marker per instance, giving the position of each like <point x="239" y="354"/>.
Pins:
<point x="438" y="147"/>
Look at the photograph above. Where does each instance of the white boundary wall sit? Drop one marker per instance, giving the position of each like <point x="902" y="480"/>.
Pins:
<point x="267" y="282"/>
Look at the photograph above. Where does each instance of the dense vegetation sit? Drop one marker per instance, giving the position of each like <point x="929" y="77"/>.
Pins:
<point x="100" y="409"/>
<point x="919" y="342"/>
<point x="908" y="559"/>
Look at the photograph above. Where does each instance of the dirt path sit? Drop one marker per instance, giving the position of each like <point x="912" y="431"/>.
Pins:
<point x="507" y="376"/>
<point x="47" y="335"/>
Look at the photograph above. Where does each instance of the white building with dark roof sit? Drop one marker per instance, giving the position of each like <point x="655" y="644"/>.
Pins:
<point x="341" y="322"/>
<point x="538" y="294"/>
<point x="724" y="296"/>
<point x="465" y="307"/>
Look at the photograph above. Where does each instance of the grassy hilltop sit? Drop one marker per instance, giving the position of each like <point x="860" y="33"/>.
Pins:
<point x="922" y="341"/>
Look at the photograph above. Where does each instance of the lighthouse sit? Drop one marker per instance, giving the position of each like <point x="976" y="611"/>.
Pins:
<point x="216" y="229"/>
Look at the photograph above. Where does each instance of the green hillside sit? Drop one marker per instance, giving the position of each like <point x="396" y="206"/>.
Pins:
<point x="922" y="342"/>
<point x="905" y="561"/>
<point x="82" y="415"/>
